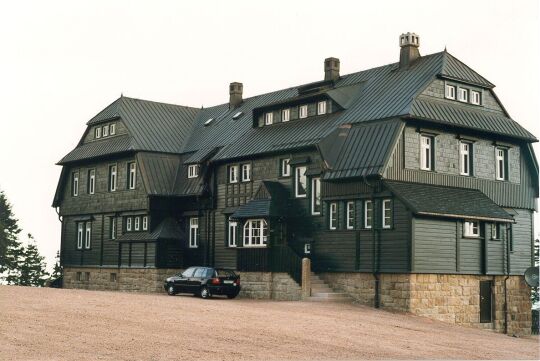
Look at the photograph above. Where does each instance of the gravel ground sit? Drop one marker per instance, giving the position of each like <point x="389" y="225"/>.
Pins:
<point x="49" y="324"/>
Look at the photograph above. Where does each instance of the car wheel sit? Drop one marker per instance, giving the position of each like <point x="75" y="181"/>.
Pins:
<point x="231" y="296"/>
<point x="204" y="293"/>
<point x="171" y="291"/>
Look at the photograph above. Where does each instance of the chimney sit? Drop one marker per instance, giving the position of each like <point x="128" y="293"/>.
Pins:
<point x="409" y="44"/>
<point x="235" y="94"/>
<point x="331" y="69"/>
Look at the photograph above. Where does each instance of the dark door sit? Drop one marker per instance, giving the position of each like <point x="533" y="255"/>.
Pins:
<point x="485" y="301"/>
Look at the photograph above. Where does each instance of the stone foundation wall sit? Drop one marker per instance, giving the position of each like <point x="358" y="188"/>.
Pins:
<point x="267" y="285"/>
<point x="448" y="298"/>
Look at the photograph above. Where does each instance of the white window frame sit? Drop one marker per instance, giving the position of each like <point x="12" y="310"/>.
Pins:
<point x="194" y="232"/>
<point x="129" y="223"/>
<point x="450" y="92"/>
<point x="255" y="233"/>
<point x="232" y="233"/>
<point x="332" y="216"/>
<point x="105" y="131"/>
<point x="286" y="115"/>
<point x="500" y="164"/>
<point x="137" y="224"/>
<point x="112" y="129"/>
<point x="113" y="172"/>
<point x="321" y="107"/>
<point x="80" y="235"/>
<point x="303" y="111"/>
<point x="268" y="118"/>
<point x="316" y="196"/>
<point x="471" y="229"/>
<point x="386" y="213"/>
<point x="91" y="181"/>
<point x="426" y="152"/>
<point x="285" y="167"/>
<point x="88" y="235"/>
<point x="298" y="177"/>
<point x="350" y="215"/>
<point x="193" y="171"/>
<point x="233" y="174"/>
<point x="75" y="185"/>
<point x="463" y="95"/>
<point x="368" y="214"/>
<point x="97" y="132"/>
<point x="113" y="228"/>
<point x="465" y="158"/>
<point x="246" y="172"/>
<point x="132" y="177"/>
<point x="496" y="233"/>
<point x="145" y="223"/>
<point x="476" y="98"/>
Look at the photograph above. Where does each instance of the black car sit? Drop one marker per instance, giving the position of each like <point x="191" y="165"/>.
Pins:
<point x="204" y="282"/>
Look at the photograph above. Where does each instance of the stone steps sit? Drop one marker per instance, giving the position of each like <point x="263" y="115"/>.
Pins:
<point x="321" y="292"/>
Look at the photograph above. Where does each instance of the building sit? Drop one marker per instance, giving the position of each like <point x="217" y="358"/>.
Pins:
<point x="408" y="185"/>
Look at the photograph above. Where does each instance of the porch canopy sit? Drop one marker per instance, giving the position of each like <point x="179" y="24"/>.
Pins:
<point x="441" y="201"/>
<point x="270" y="201"/>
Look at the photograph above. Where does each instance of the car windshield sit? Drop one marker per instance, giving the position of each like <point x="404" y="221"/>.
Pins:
<point x="225" y="273"/>
<point x="188" y="272"/>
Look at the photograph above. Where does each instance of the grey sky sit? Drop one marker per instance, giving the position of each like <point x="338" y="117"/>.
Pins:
<point x="63" y="61"/>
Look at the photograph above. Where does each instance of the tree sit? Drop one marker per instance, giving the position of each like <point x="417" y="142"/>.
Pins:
<point x="9" y="230"/>
<point x="33" y="267"/>
<point x="58" y="270"/>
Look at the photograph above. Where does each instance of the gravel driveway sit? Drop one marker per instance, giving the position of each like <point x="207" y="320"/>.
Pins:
<point x="49" y="324"/>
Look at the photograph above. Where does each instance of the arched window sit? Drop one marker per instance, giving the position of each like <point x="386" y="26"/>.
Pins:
<point x="255" y="233"/>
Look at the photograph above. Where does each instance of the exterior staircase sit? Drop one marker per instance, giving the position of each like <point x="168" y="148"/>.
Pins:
<point x="321" y="292"/>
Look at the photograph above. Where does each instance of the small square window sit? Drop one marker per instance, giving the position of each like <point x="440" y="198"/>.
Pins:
<point x="321" y="108"/>
<point x="285" y="115"/>
<point x="113" y="277"/>
<point x="303" y="111"/>
<point x="193" y="171"/>
<point x="79" y="276"/>
<point x="471" y="229"/>
<point x="268" y="118"/>
<point x="450" y="92"/>
<point x="463" y="95"/>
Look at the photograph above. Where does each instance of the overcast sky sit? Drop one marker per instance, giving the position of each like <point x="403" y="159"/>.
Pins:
<point x="61" y="62"/>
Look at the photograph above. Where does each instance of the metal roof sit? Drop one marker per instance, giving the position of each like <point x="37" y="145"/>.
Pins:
<point x="167" y="229"/>
<point x="200" y="155"/>
<point x="439" y="201"/>
<point x="96" y="149"/>
<point x="452" y="68"/>
<point x="270" y="201"/>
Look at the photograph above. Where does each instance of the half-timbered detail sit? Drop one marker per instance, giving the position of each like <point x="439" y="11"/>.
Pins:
<point x="408" y="186"/>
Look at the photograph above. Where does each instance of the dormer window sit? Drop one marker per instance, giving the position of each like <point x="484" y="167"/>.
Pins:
<point x="237" y="115"/>
<point x="450" y="92"/>
<point x="207" y="123"/>
<point x="112" y="129"/>
<point x="233" y="174"/>
<point x="98" y="132"/>
<point x="193" y="171"/>
<point x="106" y="130"/>
<point x="463" y="95"/>
<point x="475" y="97"/>
<point x="302" y="112"/>
<point x="285" y="115"/>
<point x="321" y="108"/>
<point x="268" y="118"/>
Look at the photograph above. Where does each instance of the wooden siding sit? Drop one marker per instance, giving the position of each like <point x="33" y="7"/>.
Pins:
<point x="434" y="245"/>
<point x="522" y="235"/>
<point x="90" y="135"/>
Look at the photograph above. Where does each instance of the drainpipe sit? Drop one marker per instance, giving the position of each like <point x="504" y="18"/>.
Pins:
<point x="507" y="269"/>
<point x="374" y="253"/>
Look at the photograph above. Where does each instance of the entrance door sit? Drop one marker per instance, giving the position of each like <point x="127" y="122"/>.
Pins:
<point x="485" y="301"/>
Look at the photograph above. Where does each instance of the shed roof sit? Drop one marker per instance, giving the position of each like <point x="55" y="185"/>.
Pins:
<point x="270" y="201"/>
<point x="167" y="229"/>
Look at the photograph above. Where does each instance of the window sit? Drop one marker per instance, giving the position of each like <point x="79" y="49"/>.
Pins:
<point x="285" y="167"/>
<point x="386" y="213"/>
<point x="80" y="235"/>
<point x="75" y="184"/>
<point x="113" y="227"/>
<point x="350" y="215"/>
<point x="87" y="276"/>
<point x="137" y="223"/>
<point x="475" y="97"/>
<point x="268" y="118"/>
<point x="450" y="92"/>
<point x="246" y="172"/>
<point x="129" y="221"/>
<point x="233" y="174"/>
<point x="316" y="196"/>
<point x="231" y="236"/>
<point x="368" y="214"/>
<point x="426" y="151"/>
<point x="208" y="122"/>
<point x="98" y="132"/>
<point x="112" y="129"/>
<point x="496" y="231"/>
<point x="113" y="277"/>
<point x="500" y="164"/>
<point x="79" y="276"/>
<point x="321" y="108"/>
<point x="132" y="176"/>
<point x="112" y="178"/>
<point x="285" y="115"/>
<point x="471" y="229"/>
<point x="237" y="115"/>
<point x="105" y="130"/>
<point x="145" y="223"/>
<point x="302" y="112"/>
<point x="193" y="232"/>
<point x="300" y="182"/>
<point x="463" y="95"/>
<point x="193" y="171"/>
<point x="332" y="220"/>
<point x="465" y="150"/>
<point x="88" y="235"/>
<point x="91" y="181"/>
<point x="255" y="233"/>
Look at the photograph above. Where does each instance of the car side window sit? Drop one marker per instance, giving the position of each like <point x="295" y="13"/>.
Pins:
<point x="209" y="273"/>
<point x="199" y="272"/>
<point x="188" y="272"/>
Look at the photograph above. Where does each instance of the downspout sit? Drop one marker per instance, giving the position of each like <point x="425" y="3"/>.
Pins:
<point x="374" y="252"/>
<point x="507" y="269"/>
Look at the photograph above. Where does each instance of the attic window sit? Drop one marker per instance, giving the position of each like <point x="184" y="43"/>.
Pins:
<point x="193" y="171"/>
<point x="475" y="97"/>
<point x="450" y="92"/>
<point x="303" y="111"/>
<point x="98" y="132"/>
<point x="237" y="115"/>
<point x="207" y="123"/>
<point x="285" y="115"/>
<point x="112" y="129"/>
<point x="321" y="108"/>
<point x="268" y="118"/>
<point x="463" y="95"/>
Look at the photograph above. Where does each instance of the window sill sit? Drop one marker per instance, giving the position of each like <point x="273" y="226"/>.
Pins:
<point x="254" y="246"/>
<point x="304" y="196"/>
<point x="496" y="239"/>
<point x="472" y="237"/>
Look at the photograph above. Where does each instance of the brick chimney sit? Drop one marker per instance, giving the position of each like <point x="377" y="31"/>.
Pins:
<point x="331" y="69"/>
<point x="409" y="52"/>
<point x="235" y="94"/>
